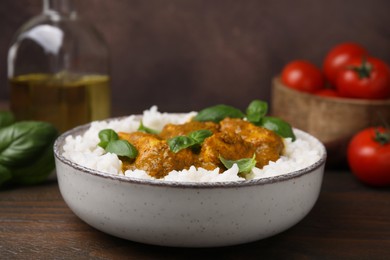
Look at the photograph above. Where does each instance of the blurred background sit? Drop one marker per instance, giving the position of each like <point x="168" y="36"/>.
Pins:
<point x="185" y="55"/>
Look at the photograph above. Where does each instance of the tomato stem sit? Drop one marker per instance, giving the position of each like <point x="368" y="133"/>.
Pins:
<point x="382" y="137"/>
<point x="364" y="70"/>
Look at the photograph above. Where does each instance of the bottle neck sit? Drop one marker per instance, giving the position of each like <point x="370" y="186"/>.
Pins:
<point x="60" y="7"/>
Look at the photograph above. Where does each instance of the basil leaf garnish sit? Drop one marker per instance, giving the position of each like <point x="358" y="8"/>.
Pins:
<point x="192" y="140"/>
<point x="122" y="148"/>
<point x="256" y="110"/>
<point x="218" y="113"/>
<point x="245" y="165"/>
<point x="178" y="143"/>
<point x="200" y="135"/>
<point x="147" y="130"/>
<point x="279" y="126"/>
<point x="255" y="113"/>
<point x="106" y="136"/>
<point x="109" y="141"/>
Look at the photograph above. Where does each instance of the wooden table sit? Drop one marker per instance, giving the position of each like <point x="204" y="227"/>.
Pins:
<point x="350" y="220"/>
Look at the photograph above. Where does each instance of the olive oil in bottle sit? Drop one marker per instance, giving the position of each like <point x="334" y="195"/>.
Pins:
<point x="62" y="99"/>
<point x="58" y="69"/>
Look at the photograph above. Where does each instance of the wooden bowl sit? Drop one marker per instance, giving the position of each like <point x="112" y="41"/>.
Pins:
<point x="332" y="120"/>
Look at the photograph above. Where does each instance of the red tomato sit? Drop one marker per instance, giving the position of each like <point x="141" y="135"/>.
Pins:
<point x="302" y="75"/>
<point x="368" y="79"/>
<point x="338" y="57"/>
<point x="369" y="156"/>
<point x="327" y="92"/>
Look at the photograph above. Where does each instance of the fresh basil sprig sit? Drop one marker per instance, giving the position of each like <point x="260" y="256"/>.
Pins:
<point x="256" y="110"/>
<point x="279" y="126"/>
<point x="147" y="130"/>
<point x="218" y="113"/>
<point x="245" y="165"/>
<point x="200" y="135"/>
<point x="26" y="150"/>
<point x="110" y="142"/>
<point x="106" y="136"/>
<point x="36" y="171"/>
<point x="178" y="143"/>
<point x="192" y="140"/>
<point x="255" y="113"/>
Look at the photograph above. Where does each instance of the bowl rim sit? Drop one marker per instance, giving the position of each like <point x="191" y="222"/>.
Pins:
<point x="57" y="148"/>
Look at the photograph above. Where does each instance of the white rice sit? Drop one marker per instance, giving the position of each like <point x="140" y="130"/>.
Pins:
<point x="84" y="150"/>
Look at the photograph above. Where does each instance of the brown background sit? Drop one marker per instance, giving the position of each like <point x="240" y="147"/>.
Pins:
<point x="186" y="54"/>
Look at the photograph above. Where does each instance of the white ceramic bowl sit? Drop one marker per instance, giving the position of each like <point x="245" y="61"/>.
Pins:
<point x="187" y="214"/>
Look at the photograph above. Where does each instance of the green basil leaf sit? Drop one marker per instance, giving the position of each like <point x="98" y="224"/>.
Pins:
<point x="122" y="148"/>
<point x="245" y="165"/>
<point x="106" y="136"/>
<point x="178" y="143"/>
<point x="147" y="130"/>
<point x="192" y="140"/>
<point x="23" y="142"/>
<point x="218" y="113"/>
<point x="109" y="141"/>
<point x="6" y="118"/>
<point x="279" y="126"/>
<point x="36" y="171"/>
<point x="256" y="110"/>
<point x="200" y="135"/>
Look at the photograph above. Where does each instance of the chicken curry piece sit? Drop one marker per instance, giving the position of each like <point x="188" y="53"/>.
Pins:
<point x="154" y="155"/>
<point x="232" y="139"/>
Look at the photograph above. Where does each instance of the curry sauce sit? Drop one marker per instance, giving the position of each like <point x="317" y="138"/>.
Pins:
<point x="233" y="139"/>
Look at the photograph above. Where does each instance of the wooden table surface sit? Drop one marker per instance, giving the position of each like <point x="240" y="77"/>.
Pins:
<point x="349" y="220"/>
